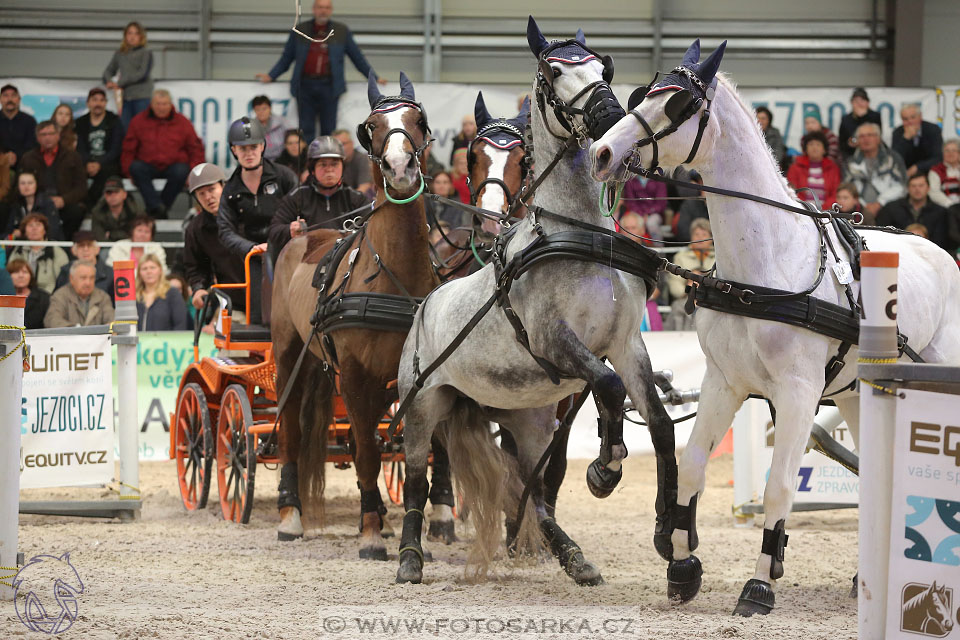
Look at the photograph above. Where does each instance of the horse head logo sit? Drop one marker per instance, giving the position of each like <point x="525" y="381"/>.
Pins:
<point x="46" y="593"/>
<point x="927" y="609"/>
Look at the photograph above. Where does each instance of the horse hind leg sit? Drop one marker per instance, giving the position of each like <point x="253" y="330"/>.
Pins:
<point x="796" y="407"/>
<point x="441" y="497"/>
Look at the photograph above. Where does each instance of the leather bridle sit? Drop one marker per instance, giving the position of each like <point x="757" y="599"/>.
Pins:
<point x="387" y="104"/>
<point x="486" y="133"/>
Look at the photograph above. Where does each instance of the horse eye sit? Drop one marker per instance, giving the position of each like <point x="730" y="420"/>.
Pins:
<point x="556" y="72"/>
<point x="371" y="127"/>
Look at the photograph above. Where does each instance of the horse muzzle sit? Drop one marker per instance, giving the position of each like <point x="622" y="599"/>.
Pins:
<point x="602" y="111"/>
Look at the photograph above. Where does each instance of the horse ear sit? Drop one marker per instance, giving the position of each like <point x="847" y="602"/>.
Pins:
<point x="406" y="87"/>
<point x="480" y="113"/>
<point x="535" y="37"/>
<point x="709" y="67"/>
<point x="692" y="56"/>
<point x="373" y="91"/>
<point x="524" y="110"/>
<point x="582" y="39"/>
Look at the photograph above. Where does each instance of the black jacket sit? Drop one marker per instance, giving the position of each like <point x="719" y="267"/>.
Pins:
<point x="165" y="314"/>
<point x="244" y="217"/>
<point x="848" y="129"/>
<point x="900" y="214"/>
<point x="104" y="277"/>
<point x="18" y="134"/>
<point x="112" y="145"/>
<point x="36" y="308"/>
<point x="206" y="261"/>
<point x="308" y="203"/>
<point x="928" y="150"/>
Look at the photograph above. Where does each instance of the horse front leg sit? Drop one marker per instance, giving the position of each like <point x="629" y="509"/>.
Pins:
<point x="796" y="405"/>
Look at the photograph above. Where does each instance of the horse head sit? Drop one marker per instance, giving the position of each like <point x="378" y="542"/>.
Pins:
<point x="939" y="609"/>
<point x="49" y="586"/>
<point x="572" y="88"/>
<point x="664" y="128"/>
<point x="395" y="136"/>
<point x="496" y="165"/>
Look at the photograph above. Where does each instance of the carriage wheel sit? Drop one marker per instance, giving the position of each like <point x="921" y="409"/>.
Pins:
<point x="236" y="455"/>
<point x="193" y="446"/>
<point x="393" y="477"/>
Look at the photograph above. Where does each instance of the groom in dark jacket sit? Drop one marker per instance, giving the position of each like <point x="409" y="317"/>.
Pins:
<point x="318" y="68"/>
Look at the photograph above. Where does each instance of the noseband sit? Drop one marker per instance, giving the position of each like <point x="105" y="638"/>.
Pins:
<point x="680" y="107"/>
<point x="365" y="138"/>
<point x="487" y="133"/>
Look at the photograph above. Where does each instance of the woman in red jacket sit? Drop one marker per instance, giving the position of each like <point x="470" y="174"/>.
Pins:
<point x="815" y="171"/>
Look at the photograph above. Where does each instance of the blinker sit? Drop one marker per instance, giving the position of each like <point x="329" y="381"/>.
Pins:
<point x="677" y="105"/>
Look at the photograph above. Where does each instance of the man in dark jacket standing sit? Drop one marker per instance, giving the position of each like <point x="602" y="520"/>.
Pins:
<point x="18" y="130"/>
<point x="160" y="143"/>
<point x="318" y="68"/>
<point x="919" y="143"/>
<point x="918" y="208"/>
<point x="60" y="176"/>
<point x="205" y="259"/>
<point x="860" y="112"/>
<point x="322" y="200"/>
<point x="99" y="142"/>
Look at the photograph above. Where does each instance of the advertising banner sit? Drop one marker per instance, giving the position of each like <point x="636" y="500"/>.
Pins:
<point x="923" y="592"/>
<point x="67" y="426"/>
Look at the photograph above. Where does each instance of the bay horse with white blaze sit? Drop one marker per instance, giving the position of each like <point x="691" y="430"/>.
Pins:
<point x="695" y="116"/>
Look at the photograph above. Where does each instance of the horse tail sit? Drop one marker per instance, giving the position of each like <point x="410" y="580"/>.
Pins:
<point x="316" y="415"/>
<point x="488" y="481"/>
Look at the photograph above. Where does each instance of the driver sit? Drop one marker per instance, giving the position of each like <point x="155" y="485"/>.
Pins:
<point x="322" y="200"/>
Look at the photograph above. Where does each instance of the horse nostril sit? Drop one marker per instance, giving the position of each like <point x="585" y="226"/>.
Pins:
<point x="603" y="158"/>
<point x="411" y="161"/>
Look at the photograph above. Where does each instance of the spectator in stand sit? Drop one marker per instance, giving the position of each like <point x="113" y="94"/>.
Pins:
<point x="918" y="229"/>
<point x="699" y="258"/>
<point x="129" y="71"/>
<point x="8" y="192"/>
<point x="953" y="232"/>
<point x="918" y="142"/>
<point x="38" y="300"/>
<point x="160" y="307"/>
<point x="458" y="174"/>
<point x="114" y="213"/>
<point x="945" y="176"/>
<point x="634" y="227"/>
<point x="816" y="172"/>
<point x="849" y="200"/>
<point x="179" y="282"/>
<point x="813" y="123"/>
<point x="320" y="201"/>
<point x="294" y="155"/>
<point x="85" y="248"/>
<point x="440" y="211"/>
<point x="45" y="262"/>
<point x="693" y="208"/>
<point x="80" y="303"/>
<point x="647" y="199"/>
<point x="917" y="208"/>
<point x="318" y="68"/>
<point x="432" y="165"/>
<point x="29" y="200"/>
<point x="771" y="134"/>
<point x="356" y="166"/>
<point x="6" y="284"/>
<point x="142" y="230"/>
<point x="205" y="259"/>
<point x="876" y="171"/>
<point x="99" y="143"/>
<point x="63" y="119"/>
<point x="18" y="130"/>
<point x="274" y="126"/>
<point x="160" y="143"/>
<point x="860" y="113"/>
<point x="60" y="176"/>
<point x="253" y="193"/>
<point x="467" y="134"/>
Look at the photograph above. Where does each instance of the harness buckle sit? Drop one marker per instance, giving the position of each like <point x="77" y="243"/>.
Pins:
<point x="857" y="217"/>
<point x="727" y="287"/>
<point x="744" y="295"/>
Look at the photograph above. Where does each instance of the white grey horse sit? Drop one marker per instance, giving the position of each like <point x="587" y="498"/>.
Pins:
<point x="575" y="313"/>
<point x="764" y="246"/>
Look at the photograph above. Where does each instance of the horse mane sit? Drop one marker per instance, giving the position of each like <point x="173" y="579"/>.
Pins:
<point x="917" y="600"/>
<point x="748" y="113"/>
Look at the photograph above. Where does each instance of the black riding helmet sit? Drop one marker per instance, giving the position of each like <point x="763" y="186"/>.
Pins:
<point x="246" y="131"/>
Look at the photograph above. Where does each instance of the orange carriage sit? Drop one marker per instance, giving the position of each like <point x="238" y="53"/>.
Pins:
<point x="226" y="413"/>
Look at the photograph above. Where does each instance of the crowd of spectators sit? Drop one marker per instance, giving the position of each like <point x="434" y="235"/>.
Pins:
<point x="62" y="172"/>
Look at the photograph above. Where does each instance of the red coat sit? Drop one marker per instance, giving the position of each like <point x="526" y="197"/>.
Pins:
<point x="799" y="172"/>
<point x="161" y="143"/>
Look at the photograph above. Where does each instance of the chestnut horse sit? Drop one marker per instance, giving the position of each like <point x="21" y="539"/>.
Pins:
<point x="391" y="256"/>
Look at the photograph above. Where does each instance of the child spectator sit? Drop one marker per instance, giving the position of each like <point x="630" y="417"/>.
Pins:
<point x="160" y="307"/>
<point x="45" y="262"/>
<point x="38" y="300"/>
<point x="131" y="64"/>
<point x="849" y="200"/>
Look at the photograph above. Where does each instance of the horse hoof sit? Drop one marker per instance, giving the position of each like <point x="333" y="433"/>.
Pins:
<point x="756" y="597"/>
<point x="854" y="590"/>
<point x="684" y="578"/>
<point x="373" y="553"/>
<point x="602" y="480"/>
<point x="283" y="536"/>
<point x="443" y="531"/>
<point x="584" y="573"/>
<point x="411" y="568"/>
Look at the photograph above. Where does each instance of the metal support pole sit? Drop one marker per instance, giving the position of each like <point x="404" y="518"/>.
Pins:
<point x="203" y="42"/>
<point x="657" y="34"/>
<point x="878" y="345"/>
<point x="129" y="426"/>
<point x="11" y="393"/>
<point x="437" y="40"/>
<point x="428" y="40"/>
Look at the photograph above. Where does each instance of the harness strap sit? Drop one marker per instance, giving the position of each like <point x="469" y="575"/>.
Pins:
<point x="527" y="193"/>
